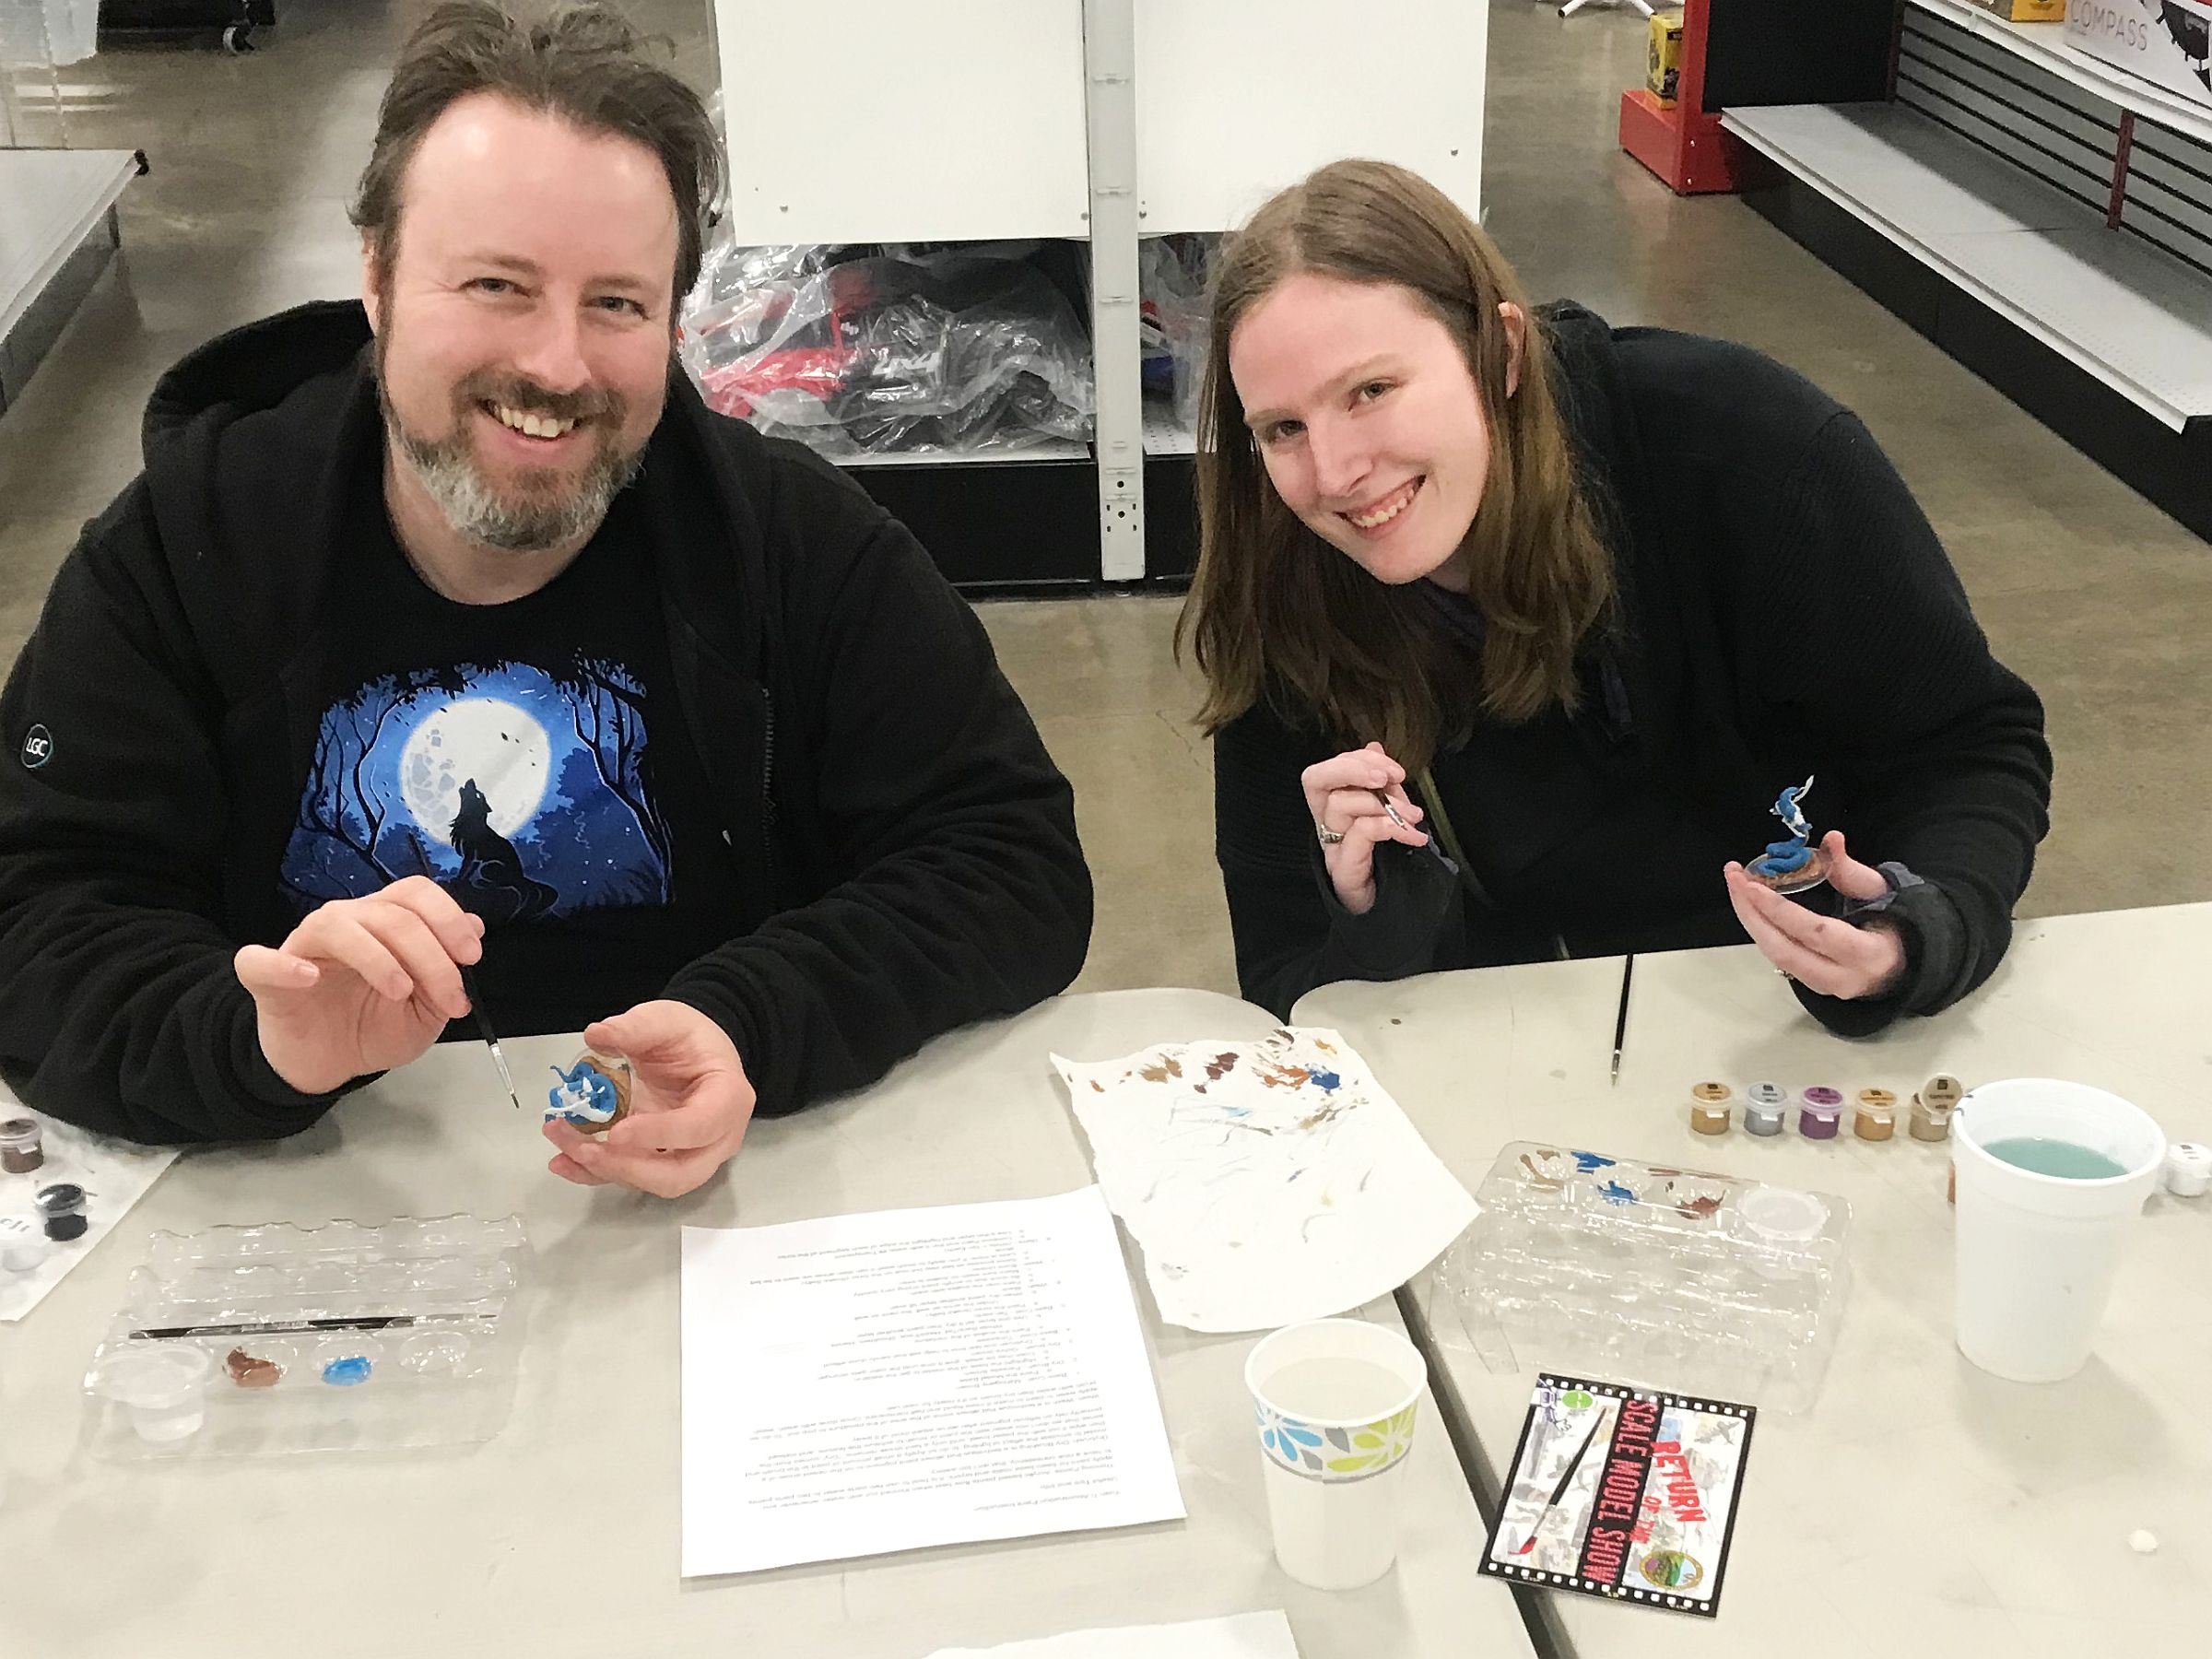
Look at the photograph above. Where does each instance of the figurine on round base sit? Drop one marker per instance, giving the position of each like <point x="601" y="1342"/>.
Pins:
<point x="592" y="1094"/>
<point x="1795" y="864"/>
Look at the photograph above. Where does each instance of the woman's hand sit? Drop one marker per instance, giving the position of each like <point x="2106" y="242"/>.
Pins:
<point x="1345" y="798"/>
<point x="1833" y="956"/>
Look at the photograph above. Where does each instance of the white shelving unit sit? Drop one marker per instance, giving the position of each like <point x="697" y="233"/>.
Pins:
<point x="2045" y="46"/>
<point x="57" y="229"/>
<point x="1098" y="121"/>
<point x="2138" y="320"/>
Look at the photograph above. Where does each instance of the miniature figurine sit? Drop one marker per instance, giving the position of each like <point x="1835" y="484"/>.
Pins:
<point x="1795" y="864"/>
<point x="592" y="1094"/>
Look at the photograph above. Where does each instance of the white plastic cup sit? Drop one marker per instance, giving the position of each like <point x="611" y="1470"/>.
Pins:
<point x="162" y="1385"/>
<point x="2037" y="1254"/>
<point x="1335" y="1399"/>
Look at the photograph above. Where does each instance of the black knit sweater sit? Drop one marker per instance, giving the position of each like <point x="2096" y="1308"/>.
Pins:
<point x="1785" y="609"/>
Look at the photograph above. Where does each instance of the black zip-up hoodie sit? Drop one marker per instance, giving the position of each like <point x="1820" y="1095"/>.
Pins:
<point x="905" y="848"/>
<point x="1784" y="608"/>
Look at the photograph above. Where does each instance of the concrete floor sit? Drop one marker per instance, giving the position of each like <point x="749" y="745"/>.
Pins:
<point x="2095" y="597"/>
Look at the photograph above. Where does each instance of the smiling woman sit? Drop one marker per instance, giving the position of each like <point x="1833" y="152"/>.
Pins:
<point x="1576" y="600"/>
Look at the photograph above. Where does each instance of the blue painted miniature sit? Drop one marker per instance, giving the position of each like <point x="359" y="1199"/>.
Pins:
<point x="1792" y="866"/>
<point x="589" y="1094"/>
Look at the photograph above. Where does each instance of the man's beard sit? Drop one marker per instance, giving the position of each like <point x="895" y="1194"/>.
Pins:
<point x="551" y="510"/>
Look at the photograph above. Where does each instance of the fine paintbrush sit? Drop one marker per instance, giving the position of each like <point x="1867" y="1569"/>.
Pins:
<point x="1620" y="1021"/>
<point x="491" y="1038"/>
<point x="476" y="1003"/>
<point x="1566" y="1480"/>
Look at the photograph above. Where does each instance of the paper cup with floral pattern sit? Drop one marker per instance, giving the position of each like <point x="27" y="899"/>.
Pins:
<point x="1334" y="1400"/>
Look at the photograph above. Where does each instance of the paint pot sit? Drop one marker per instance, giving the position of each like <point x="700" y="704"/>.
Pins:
<point x="1783" y="1222"/>
<point x="1930" y="1123"/>
<point x="22" y="1146"/>
<point x="162" y="1385"/>
<point x="2188" y="1169"/>
<point x="62" y="1208"/>
<point x="1762" y="1117"/>
<point x="1941" y="1092"/>
<point x="21" y="1246"/>
<point x="1768" y="1094"/>
<point x="1708" y="1119"/>
<point x="1709" y="1108"/>
<point x="1875" y="1118"/>
<point x="1822" y="1113"/>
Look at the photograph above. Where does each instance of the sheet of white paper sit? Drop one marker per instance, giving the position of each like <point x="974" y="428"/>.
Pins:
<point x="1246" y="1636"/>
<point x="869" y="1384"/>
<point x="113" y="1173"/>
<point x="1267" y="1182"/>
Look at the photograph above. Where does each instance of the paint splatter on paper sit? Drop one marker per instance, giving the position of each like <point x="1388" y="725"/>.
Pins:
<point x="1266" y="1181"/>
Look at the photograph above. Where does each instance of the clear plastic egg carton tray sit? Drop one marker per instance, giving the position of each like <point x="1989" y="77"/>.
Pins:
<point x="1701" y="1284"/>
<point x="244" y="1341"/>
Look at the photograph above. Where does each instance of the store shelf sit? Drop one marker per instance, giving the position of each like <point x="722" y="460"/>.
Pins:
<point x="1164" y="435"/>
<point x="2129" y="315"/>
<point x="1042" y="450"/>
<point x="2045" y="45"/>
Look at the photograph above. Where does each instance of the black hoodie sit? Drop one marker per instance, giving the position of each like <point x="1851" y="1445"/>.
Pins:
<point x="907" y="852"/>
<point x="1785" y="609"/>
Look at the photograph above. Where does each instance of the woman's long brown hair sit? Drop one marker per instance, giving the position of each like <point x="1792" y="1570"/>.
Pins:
<point x="1275" y="612"/>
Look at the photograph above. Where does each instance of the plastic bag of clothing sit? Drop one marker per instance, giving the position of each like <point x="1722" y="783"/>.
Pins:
<point x="1175" y="329"/>
<point x="880" y="350"/>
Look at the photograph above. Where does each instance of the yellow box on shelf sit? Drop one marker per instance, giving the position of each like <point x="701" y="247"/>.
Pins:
<point x="1663" y="74"/>
<point x="2025" y="11"/>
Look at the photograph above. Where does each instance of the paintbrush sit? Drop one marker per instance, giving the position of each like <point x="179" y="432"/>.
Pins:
<point x="491" y="1038"/>
<point x="1620" y="1021"/>
<point x="1429" y="843"/>
<point x="476" y="1003"/>
<point x="1566" y="1480"/>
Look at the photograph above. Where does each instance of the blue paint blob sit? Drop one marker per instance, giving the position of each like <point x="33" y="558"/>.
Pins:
<point x="348" y="1372"/>
<point x="1587" y="1162"/>
<point x="1324" y="1080"/>
<point x="1614" y="1193"/>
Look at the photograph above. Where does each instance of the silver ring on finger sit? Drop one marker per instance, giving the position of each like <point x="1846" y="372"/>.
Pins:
<point x="1329" y="837"/>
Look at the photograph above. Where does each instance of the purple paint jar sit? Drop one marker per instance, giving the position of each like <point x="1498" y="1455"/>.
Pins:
<point x="1822" y="1113"/>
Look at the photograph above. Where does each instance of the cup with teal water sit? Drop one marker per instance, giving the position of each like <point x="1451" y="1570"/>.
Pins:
<point x="2052" y="1176"/>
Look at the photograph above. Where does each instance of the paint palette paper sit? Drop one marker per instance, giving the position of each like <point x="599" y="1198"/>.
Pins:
<point x="1267" y="1182"/>
<point x="114" y="1174"/>
<point x="1627" y="1494"/>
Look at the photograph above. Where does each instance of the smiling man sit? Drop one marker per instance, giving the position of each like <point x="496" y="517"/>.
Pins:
<point x="451" y="631"/>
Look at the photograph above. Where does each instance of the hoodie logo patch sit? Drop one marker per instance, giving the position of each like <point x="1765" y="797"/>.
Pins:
<point x="38" y="747"/>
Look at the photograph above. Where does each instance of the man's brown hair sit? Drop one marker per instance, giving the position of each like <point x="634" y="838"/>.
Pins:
<point x="584" y="63"/>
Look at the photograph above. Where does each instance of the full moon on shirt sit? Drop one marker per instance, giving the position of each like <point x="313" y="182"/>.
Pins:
<point x="497" y="744"/>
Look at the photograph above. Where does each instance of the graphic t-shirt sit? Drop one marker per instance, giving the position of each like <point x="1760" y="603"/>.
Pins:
<point x="531" y="757"/>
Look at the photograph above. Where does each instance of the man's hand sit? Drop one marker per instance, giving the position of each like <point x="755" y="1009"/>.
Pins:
<point x="362" y="984"/>
<point x="1345" y="796"/>
<point x="689" y="1103"/>
<point x="1833" y="956"/>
